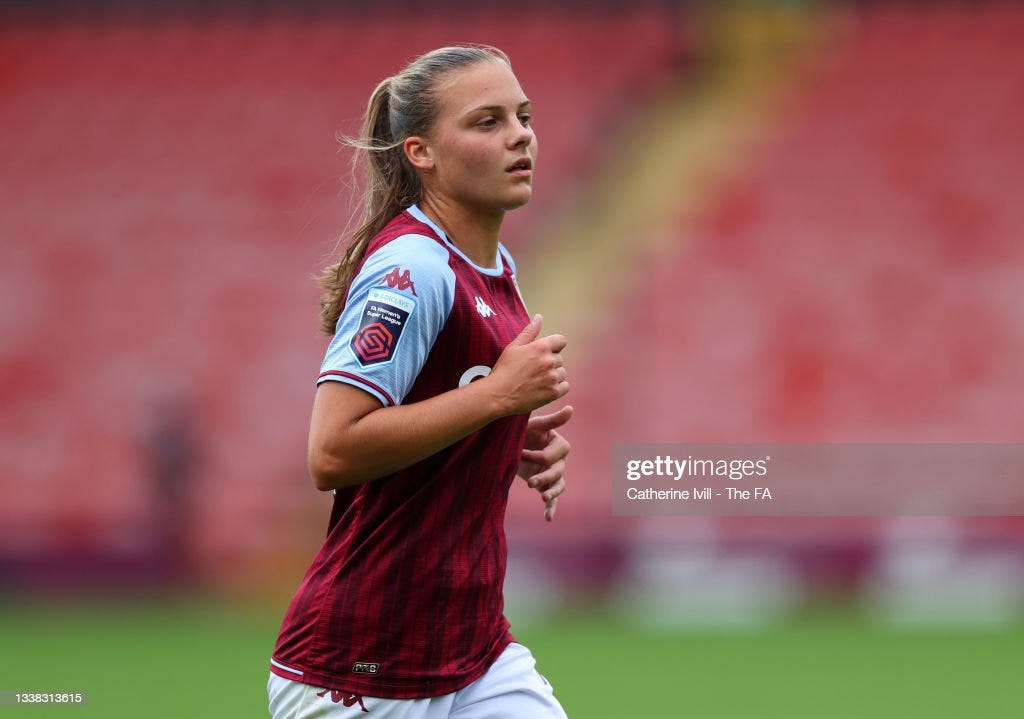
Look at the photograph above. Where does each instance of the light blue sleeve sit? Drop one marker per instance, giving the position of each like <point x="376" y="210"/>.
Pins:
<point x="396" y="307"/>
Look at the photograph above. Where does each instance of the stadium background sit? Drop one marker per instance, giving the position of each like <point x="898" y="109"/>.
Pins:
<point x="774" y="221"/>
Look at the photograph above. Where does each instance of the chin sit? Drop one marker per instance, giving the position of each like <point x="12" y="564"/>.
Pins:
<point x="518" y="201"/>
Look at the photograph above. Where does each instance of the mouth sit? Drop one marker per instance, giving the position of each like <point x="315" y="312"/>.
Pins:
<point x="523" y="167"/>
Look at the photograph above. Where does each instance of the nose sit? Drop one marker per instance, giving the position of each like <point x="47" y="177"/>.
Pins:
<point x="521" y="135"/>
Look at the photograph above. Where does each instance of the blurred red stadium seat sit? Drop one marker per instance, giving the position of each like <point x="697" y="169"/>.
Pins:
<point x="170" y="186"/>
<point x="860" y="280"/>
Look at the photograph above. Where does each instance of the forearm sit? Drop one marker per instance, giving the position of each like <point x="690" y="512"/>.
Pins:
<point x="353" y="439"/>
<point x="391" y="438"/>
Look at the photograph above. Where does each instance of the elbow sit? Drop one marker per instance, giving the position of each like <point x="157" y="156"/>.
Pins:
<point x="329" y="472"/>
<point x="322" y="481"/>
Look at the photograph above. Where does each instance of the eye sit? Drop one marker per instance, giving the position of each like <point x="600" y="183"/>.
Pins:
<point x="488" y="122"/>
<point x="526" y="119"/>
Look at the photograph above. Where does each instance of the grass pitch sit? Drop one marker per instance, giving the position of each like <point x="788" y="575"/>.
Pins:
<point x="202" y="659"/>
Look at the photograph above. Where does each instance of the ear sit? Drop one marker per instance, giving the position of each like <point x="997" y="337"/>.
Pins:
<point x="419" y="154"/>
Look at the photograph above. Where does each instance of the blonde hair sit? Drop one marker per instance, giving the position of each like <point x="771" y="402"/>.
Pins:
<point x="400" y="107"/>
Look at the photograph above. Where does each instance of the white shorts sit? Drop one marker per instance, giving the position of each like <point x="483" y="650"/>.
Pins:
<point x="512" y="688"/>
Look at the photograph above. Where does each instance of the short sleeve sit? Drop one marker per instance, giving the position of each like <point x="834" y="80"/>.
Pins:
<point x="396" y="307"/>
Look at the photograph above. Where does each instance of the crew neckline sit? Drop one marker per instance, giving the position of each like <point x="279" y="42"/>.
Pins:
<point x="496" y="271"/>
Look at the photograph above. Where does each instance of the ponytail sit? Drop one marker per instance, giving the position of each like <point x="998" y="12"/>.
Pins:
<point x="387" y="177"/>
<point x="400" y="107"/>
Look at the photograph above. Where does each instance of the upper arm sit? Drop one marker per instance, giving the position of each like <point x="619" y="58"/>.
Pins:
<point x="397" y="305"/>
<point x="336" y="407"/>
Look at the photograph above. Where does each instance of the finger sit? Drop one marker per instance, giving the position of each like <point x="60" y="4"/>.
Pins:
<point x="529" y="469"/>
<point x="549" y="509"/>
<point x="544" y="422"/>
<point x="554" y="491"/>
<point x="546" y="479"/>
<point x="538" y="457"/>
<point x="536" y="441"/>
<point x="555" y="450"/>
<point x="530" y="332"/>
<point x="556" y="343"/>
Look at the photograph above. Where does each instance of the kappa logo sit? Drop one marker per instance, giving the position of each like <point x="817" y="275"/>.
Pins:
<point x="401" y="281"/>
<point x="346" y="698"/>
<point x="484" y="309"/>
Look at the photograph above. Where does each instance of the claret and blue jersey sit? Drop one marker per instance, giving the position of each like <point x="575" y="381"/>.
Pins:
<point x="404" y="599"/>
<point x="404" y="296"/>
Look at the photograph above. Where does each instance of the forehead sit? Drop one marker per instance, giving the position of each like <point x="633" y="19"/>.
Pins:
<point x="484" y="83"/>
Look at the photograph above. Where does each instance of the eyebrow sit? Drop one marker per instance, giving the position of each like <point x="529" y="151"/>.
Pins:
<point x="496" y="108"/>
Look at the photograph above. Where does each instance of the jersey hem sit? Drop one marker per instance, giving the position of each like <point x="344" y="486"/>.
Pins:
<point x="410" y="689"/>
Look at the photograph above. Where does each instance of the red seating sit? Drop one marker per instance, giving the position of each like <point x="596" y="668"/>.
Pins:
<point x="169" y="188"/>
<point x="860" y="280"/>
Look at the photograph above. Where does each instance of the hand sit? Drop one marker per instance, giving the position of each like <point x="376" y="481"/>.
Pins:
<point x="543" y="458"/>
<point x="530" y="373"/>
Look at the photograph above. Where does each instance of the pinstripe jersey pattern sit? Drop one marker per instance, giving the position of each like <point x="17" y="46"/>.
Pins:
<point x="404" y="598"/>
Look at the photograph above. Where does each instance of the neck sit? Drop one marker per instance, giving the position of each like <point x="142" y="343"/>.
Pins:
<point x="475" y="233"/>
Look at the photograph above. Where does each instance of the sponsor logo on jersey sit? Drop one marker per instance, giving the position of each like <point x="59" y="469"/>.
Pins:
<point x="483" y="308"/>
<point x="400" y="280"/>
<point x="384" y="317"/>
<point x="476" y="372"/>
<point x="366" y="667"/>
<point x="346" y="698"/>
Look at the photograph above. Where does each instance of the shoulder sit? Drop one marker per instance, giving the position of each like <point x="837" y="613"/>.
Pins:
<point x="403" y="261"/>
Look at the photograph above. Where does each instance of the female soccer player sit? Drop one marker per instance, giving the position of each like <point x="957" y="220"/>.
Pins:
<point x="421" y="418"/>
